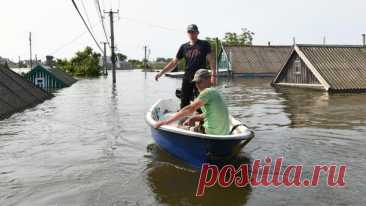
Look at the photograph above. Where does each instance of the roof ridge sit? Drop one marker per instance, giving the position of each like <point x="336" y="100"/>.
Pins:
<point x="257" y="46"/>
<point x="330" y="45"/>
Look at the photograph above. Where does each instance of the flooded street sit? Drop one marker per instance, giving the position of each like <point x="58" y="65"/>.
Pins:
<point x="90" y="145"/>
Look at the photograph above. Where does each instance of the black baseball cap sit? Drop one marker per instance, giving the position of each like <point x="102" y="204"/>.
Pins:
<point x="192" y="28"/>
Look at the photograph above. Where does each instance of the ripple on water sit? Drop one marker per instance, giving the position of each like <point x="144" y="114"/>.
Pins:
<point x="88" y="144"/>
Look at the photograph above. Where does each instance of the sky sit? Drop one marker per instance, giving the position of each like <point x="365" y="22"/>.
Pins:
<point x="160" y="24"/>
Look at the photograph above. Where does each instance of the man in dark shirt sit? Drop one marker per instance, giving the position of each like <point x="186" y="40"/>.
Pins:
<point x="197" y="54"/>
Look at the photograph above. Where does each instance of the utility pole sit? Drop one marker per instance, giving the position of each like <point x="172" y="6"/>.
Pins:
<point x="105" y="72"/>
<point x="30" y="50"/>
<point x="217" y="55"/>
<point x="113" y="55"/>
<point x="19" y="64"/>
<point x="145" y="57"/>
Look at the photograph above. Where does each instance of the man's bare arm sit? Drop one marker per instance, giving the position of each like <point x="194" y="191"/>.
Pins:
<point x="187" y="110"/>
<point x="169" y="67"/>
<point x="212" y="64"/>
<point x="198" y="117"/>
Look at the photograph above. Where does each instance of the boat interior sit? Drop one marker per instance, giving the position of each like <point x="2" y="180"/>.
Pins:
<point x="166" y="108"/>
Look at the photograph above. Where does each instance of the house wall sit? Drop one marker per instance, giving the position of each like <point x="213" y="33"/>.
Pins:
<point x="296" y="72"/>
<point x="48" y="81"/>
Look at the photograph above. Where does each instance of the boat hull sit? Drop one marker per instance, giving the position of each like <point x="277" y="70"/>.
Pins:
<point x="196" y="151"/>
<point x="192" y="147"/>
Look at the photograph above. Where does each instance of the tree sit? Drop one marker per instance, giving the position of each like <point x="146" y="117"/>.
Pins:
<point x="84" y="63"/>
<point x="121" y="56"/>
<point x="244" y="38"/>
<point x="213" y="44"/>
<point x="136" y="64"/>
<point x="162" y="59"/>
<point x="64" y="65"/>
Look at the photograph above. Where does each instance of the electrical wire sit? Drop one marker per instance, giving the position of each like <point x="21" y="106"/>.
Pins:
<point x="99" y="10"/>
<point x="86" y="25"/>
<point x="86" y="14"/>
<point x="151" y="24"/>
<point x="71" y="41"/>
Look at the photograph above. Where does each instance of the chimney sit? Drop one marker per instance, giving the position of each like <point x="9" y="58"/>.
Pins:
<point x="49" y="61"/>
<point x="269" y="43"/>
<point x="364" y="40"/>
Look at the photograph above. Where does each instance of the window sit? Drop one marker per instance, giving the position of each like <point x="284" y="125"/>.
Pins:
<point x="297" y="66"/>
<point x="39" y="81"/>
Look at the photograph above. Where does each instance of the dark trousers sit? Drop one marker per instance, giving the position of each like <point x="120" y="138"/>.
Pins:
<point x="189" y="92"/>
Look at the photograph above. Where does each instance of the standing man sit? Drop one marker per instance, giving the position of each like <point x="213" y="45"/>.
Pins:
<point x="197" y="54"/>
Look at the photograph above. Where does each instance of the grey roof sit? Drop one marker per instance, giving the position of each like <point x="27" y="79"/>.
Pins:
<point x="17" y="93"/>
<point x="340" y="67"/>
<point x="61" y="75"/>
<point x="257" y="59"/>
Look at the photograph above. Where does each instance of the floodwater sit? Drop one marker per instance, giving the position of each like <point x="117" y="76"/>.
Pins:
<point x="90" y="145"/>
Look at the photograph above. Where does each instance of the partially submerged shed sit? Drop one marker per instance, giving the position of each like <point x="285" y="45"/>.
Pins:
<point x="253" y="60"/>
<point x="49" y="78"/>
<point x="333" y="68"/>
<point x="17" y="93"/>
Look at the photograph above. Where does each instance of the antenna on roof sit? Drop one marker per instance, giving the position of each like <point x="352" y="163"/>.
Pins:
<point x="364" y="40"/>
<point x="324" y="40"/>
<point x="294" y="40"/>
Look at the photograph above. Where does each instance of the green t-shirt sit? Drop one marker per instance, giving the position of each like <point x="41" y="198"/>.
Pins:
<point x="215" y="111"/>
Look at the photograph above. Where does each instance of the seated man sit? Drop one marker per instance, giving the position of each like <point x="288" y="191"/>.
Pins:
<point x="215" y="112"/>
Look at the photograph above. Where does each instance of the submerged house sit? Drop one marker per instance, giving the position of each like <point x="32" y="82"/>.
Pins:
<point x="49" y="78"/>
<point x="333" y="68"/>
<point x="252" y="60"/>
<point x="17" y="93"/>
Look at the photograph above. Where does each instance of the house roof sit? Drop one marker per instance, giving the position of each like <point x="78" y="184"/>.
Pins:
<point x="59" y="74"/>
<point x="338" y="67"/>
<point x="256" y="58"/>
<point x="17" y="93"/>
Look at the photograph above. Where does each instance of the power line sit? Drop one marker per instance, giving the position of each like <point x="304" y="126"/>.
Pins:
<point x="71" y="41"/>
<point x="97" y="3"/>
<point x="86" y="14"/>
<point x="151" y="24"/>
<point x="86" y="25"/>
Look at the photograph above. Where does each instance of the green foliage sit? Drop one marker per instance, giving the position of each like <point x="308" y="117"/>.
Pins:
<point x="65" y="65"/>
<point x="231" y="39"/>
<point x="121" y="56"/>
<point x="162" y="59"/>
<point x="84" y="63"/>
<point x="136" y="64"/>
<point x="215" y="46"/>
<point x="244" y="38"/>
<point x="182" y="65"/>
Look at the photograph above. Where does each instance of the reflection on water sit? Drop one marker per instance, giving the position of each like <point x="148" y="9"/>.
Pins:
<point x="173" y="184"/>
<point x="323" y="110"/>
<point x="90" y="145"/>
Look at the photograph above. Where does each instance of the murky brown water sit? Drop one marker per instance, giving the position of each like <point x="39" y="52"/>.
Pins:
<point x="90" y="146"/>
